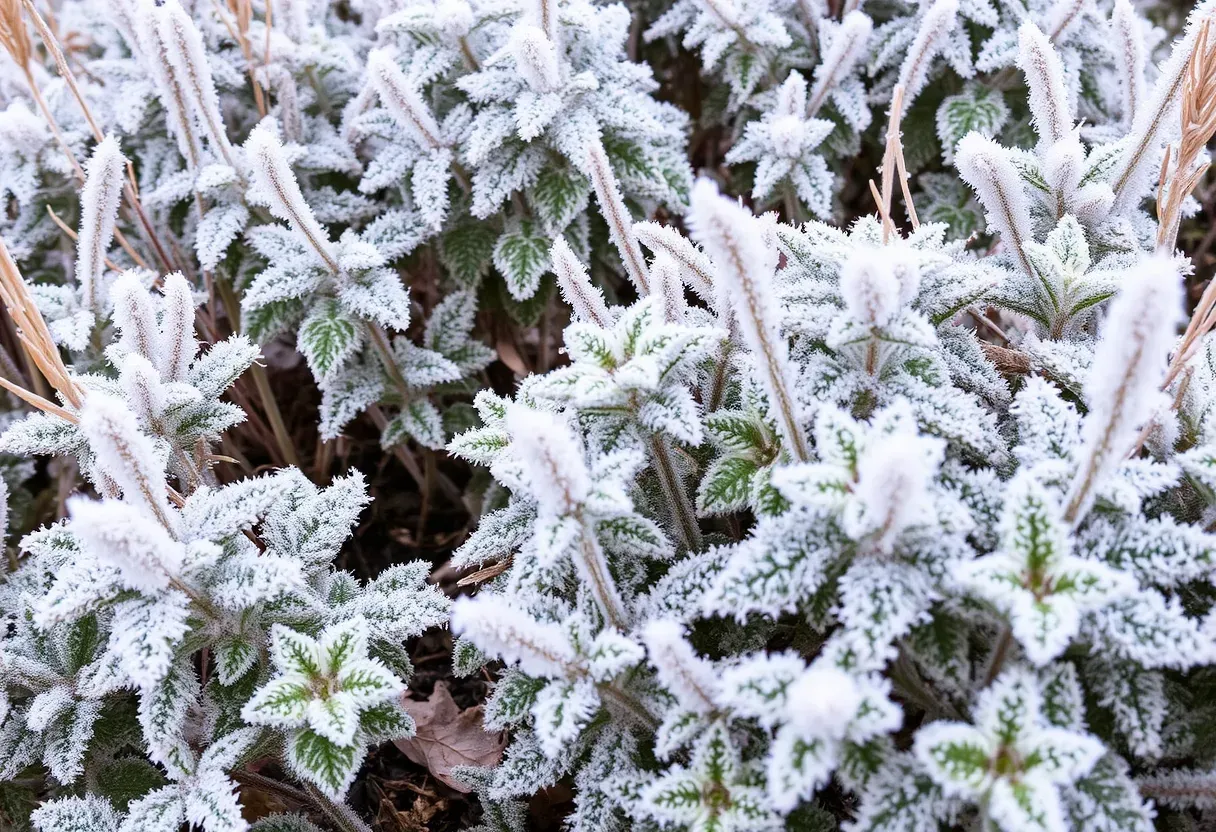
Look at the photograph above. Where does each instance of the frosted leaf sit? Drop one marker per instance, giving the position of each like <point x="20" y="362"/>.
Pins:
<point x="689" y="677"/>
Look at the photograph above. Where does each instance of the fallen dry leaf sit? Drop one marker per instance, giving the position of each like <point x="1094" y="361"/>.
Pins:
<point x="510" y="356"/>
<point x="447" y="737"/>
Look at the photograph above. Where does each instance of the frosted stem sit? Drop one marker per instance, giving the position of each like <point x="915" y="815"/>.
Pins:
<point x="620" y="225"/>
<point x="592" y="566"/>
<point x="683" y="514"/>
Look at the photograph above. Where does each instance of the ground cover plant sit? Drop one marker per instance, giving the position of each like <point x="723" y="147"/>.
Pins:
<point x="704" y="415"/>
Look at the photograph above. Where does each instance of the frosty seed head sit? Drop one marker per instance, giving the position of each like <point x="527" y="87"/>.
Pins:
<point x="535" y="58"/>
<point x="401" y="98"/>
<point x="1129" y="363"/>
<point x="552" y="457"/>
<point x="144" y="391"/>
<point x="586" y="299"/>
<point x="1063" y="165"/>
<point x="667" y="286"/>
<point x="1049" y="107"/>
<point x="98" y="209"/>
<point x="892" y="489"/>
<point x="907" y="272"/>
<point x="135" y="316"/>
<point x="686" y="674"/>
<point x="127" y="455"/>
<point x="870" y="287"/>
<point x="118" y="534"/>
<point x="177" y="344"/>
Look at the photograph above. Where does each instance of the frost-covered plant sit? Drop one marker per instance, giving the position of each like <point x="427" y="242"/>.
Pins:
<point x="893" y="522"/>
<point x="964" y="582"/>
<point x="135" y="660"/>
<point x="427" y="136"/>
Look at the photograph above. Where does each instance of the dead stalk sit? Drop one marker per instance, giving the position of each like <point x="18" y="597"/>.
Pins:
<point x="893" y="165"/>
<point x="1182" y="168"/>
<point x="37" y="341"/>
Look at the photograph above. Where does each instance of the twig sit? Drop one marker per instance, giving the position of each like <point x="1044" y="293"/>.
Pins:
<point x="261" y="381"/>
<point x="892" y="165"/>
<point x="999" y="654"/>
<point x="340" y="815"/>
<point x="1010" y="362"/>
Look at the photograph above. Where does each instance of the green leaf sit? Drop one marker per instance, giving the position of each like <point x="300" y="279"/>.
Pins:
<point x="558" y="196"/>
<point x="952" y="203"/>
<point x="233" y="658"/>
<point x="467" y="659"/>
<point x="511" y="700"/>
<point x="1107" y="798"/>
<point x="810" y="818"/>
<point x="384" y="722"/>
<point x="939" y="647"/>
<point x="285" y="823"/>
<point x="1067" y="241"/>
<point x="127" y="779"/>
<point x="163" y="713"/>
<point x="265" y="322"/>
<point x="633" y="534"/>
<point x="448" y="328"/>
<point x="335" y="718"/>
<point x="1090" y="298"/>
<point x="280" y="702"/>
<point x="680" y="792"/>
<point x="480" y="445"/>
<point x="628" y="158"/>
<point x="82" y="642"/>
<point x="395" y="657"/>
<point x="976" y="108"/>
<point x="420" y="420"/>
<point x="1063" y="700"/>
<point x="726" y="485"/>
<point x="328" y="337"/>
<point x="368" y="681"/>
<point x="1035" y="532"/>
<point x="466" y="250"/>
<point x="715" y="758"/>
<point x="735" y="430"/>
<point x="329" y="765"/>
<point x="963" y="758"/>
<point x="344" y="643"/>
<point x="226" y="701"/>
<point x="1102" y="161"/>
<point x="295" y="652"/>
<point x="521" y="255"/>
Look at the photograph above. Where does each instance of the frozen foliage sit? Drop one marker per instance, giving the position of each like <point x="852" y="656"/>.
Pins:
<point x="872" y="555"/>
<point x="113" y="606"/>
<point x="160" y="637"/>
<point x="820" y="518"/>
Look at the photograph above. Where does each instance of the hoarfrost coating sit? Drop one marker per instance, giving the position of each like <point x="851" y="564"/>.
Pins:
<point x="760" y="495"/>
